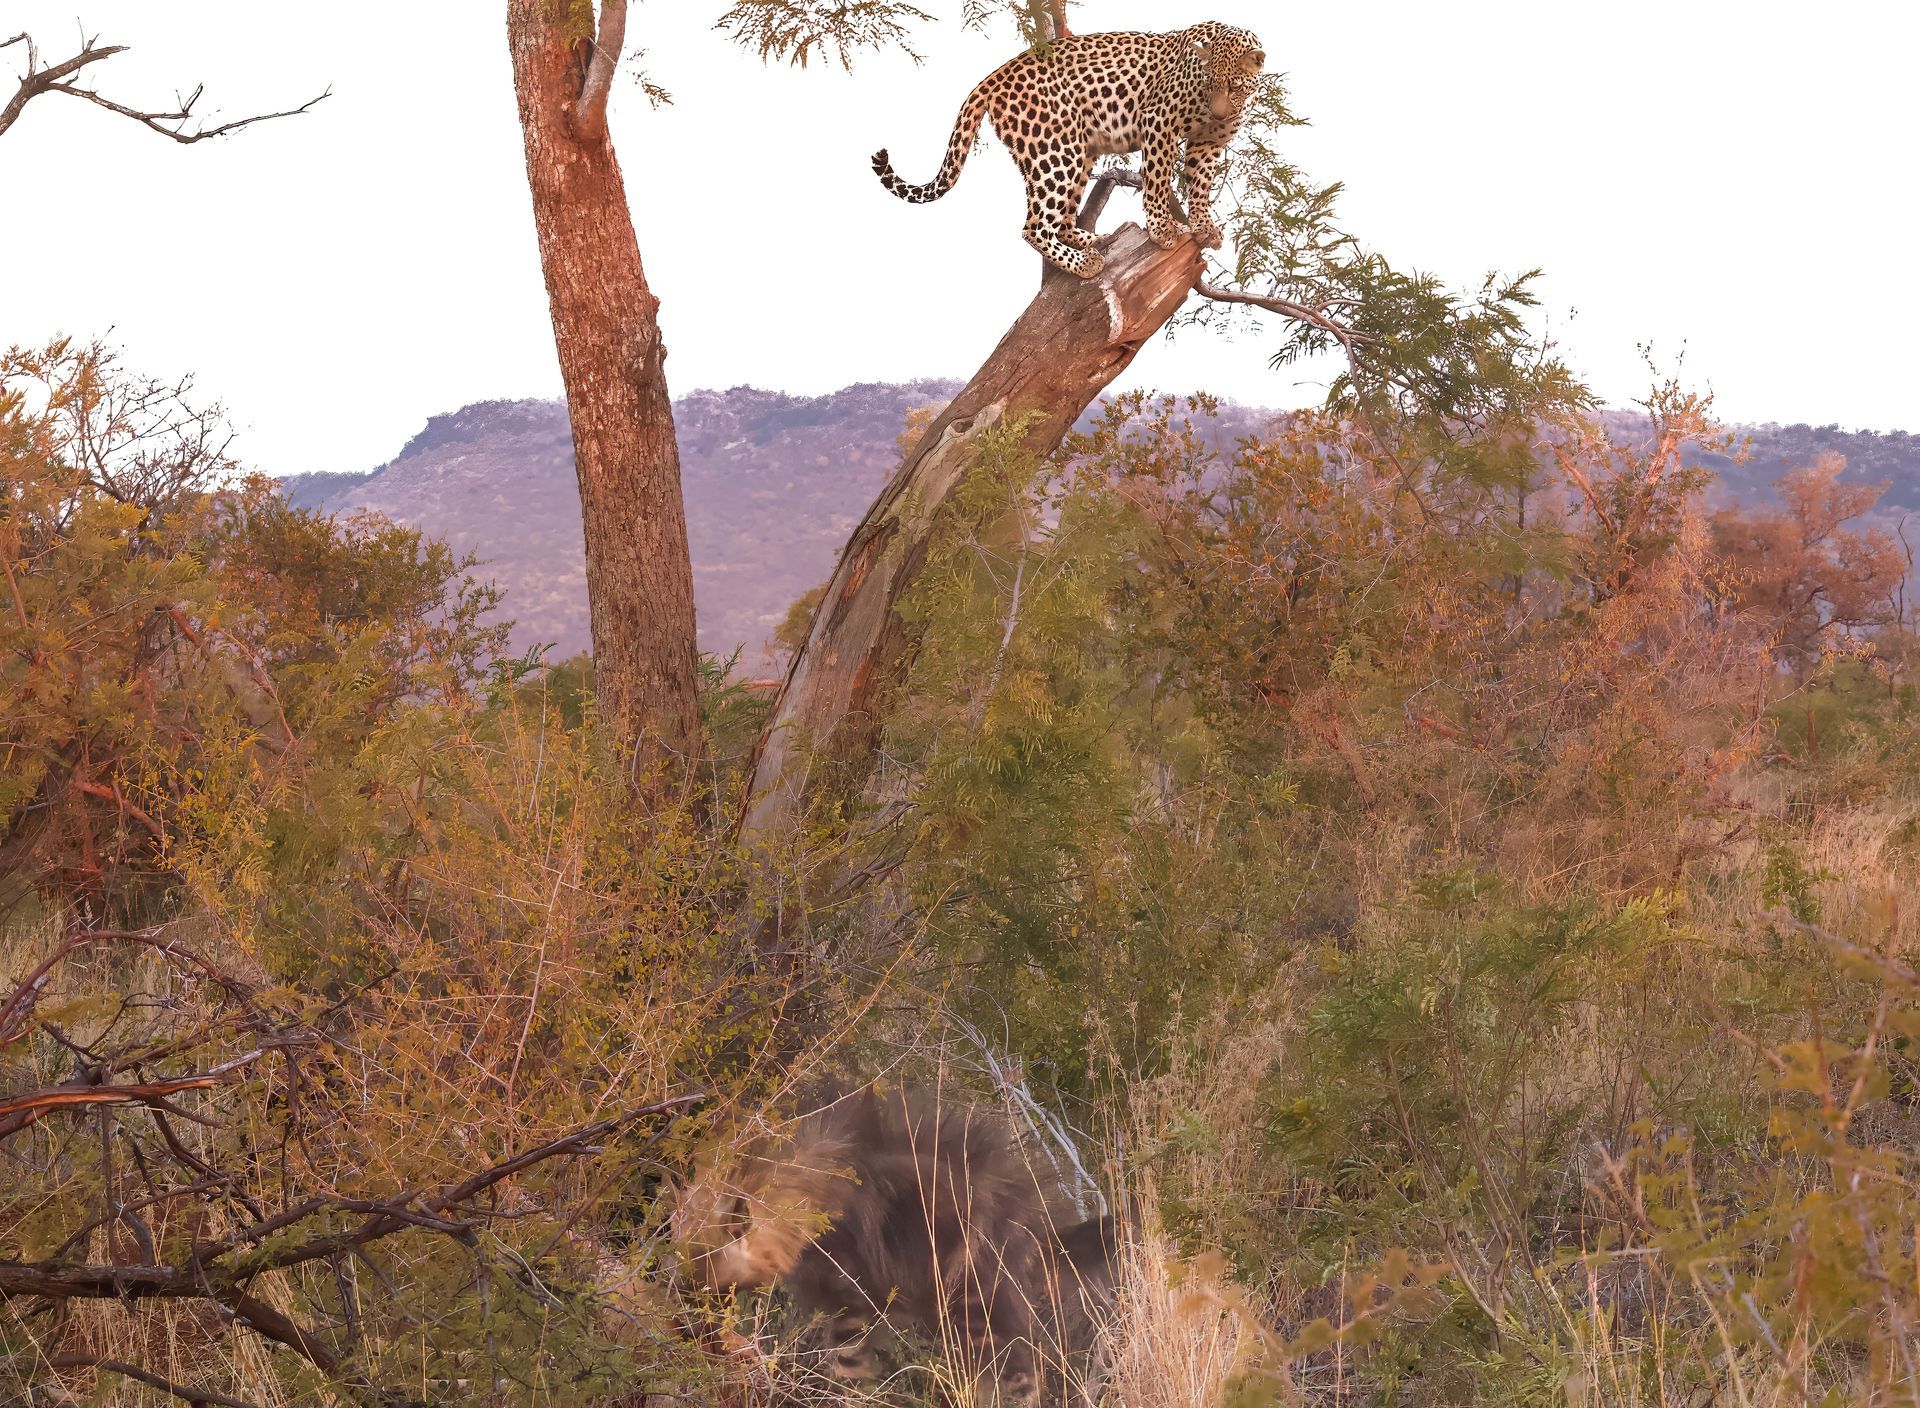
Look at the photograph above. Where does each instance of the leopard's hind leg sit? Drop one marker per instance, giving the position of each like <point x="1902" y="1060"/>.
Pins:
<point x="1056" y="184"/>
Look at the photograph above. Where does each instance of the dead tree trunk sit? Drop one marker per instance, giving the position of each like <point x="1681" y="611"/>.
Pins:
<point x="1071" y="342"/>
<point x="607" y="330"/>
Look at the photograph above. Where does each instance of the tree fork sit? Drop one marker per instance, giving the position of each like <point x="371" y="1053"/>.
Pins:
<point x="1065" y="349"/>
<point x="612" y="359"/>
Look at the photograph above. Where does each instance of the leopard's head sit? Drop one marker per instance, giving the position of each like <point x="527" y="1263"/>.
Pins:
<point x="1233" y="59"/>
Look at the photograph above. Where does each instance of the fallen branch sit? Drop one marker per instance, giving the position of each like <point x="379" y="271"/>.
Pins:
<point x="19" y="1110"/>
<point x="81" y="1093"/>
<point x="1075" y="337"/>
<point x="217" y="1269"/>
<point x="147" y="1377"/>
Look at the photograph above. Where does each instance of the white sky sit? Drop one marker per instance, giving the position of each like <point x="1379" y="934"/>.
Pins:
<point x="1734" y="176"/>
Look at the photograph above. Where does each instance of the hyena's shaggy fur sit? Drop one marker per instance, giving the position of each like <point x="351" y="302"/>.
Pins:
<point x="902" y="1209"/>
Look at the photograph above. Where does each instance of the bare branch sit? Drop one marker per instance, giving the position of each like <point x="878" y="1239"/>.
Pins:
<point x="1341" y="333"/>
<point x="39" y="80"/>
<point x="589" y="115"/>
<point x="579" y="1142"/>
<point x="24" y="1107"/>
<point x="145" y="1376"/>
<point x="221" y="1271"/>
<point x="54" y="1280"/>
<point x="14" y="1011"/>
<point x="1103" y="184"/>
<point x="56" y="78"/>
<point x="1595" y="502"/>
<point x="157" y="120"/>
<point x="1885" y="963"/>
<point x="63" y="1280"/>
<point x="410" y="1209"/>
<point x="86" y="1229"/>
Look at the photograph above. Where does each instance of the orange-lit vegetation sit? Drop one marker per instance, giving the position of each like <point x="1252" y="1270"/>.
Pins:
<point x="1405" y="863"/>
<point x="1478" y="784"/>
<point x="1438" y="879"/>
<point x="342" y="985"/>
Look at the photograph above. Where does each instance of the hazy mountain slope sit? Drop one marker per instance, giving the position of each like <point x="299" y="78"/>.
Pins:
<point x="773" y="486"/>
<point x="775" y="483"/>
<point x="1892" y="456"/>
<point x="317" y="487"/>
<point x="495" y="479"/>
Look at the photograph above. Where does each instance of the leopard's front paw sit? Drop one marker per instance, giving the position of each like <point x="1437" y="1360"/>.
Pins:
<point x="1093" y="264"/>
<point x="1209" y="235"/>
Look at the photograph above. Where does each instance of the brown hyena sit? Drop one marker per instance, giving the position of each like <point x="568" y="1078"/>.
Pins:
<point x="897" y="1211"/>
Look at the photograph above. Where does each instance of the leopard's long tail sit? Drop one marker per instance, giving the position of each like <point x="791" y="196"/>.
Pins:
<point x="966" y="130"/>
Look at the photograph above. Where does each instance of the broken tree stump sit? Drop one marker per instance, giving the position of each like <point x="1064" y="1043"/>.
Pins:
<point x="1064" y="350"/>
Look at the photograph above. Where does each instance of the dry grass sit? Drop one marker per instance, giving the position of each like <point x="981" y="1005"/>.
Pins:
<point x="1182" y="1330"/>
<point x="1683" y="1360"/>
<point x="1182" y="1333"/>
<point x="179" y="1341"/>
<point x="1184" y="1157"/>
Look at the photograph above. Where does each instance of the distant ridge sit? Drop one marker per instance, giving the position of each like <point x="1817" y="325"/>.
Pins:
<point x="316" y="488"/>
<point x="775" y="483"/>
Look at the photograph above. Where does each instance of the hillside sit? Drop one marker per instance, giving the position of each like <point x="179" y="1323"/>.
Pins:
<point x="774" y="484"/>
<point x="1892" y="457"/>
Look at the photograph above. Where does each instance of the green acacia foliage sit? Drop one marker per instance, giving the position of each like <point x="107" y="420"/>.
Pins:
<point x="800" y="31"/>
<point x="1448" y="767"/>
<point x="1412" y="349"/>
<point x="1168" y="696"/>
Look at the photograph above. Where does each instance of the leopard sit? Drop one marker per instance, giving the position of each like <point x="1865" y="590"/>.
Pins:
<point x="1059" y="108"/>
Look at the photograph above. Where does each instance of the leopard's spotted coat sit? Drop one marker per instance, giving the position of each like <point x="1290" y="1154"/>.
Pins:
<point x="1092" y="95"/>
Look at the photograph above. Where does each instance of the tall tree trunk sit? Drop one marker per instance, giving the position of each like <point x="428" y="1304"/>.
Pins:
<point x="1071" y="342"/>
<point x="607" y="330"/>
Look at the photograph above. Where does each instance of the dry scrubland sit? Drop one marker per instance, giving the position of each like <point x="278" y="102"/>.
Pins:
<point x="1452" y="888"/>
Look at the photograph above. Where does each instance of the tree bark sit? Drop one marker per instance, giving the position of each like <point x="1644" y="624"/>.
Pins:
<point x="606" y="327"/>
<point x="1071" y="342"/>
